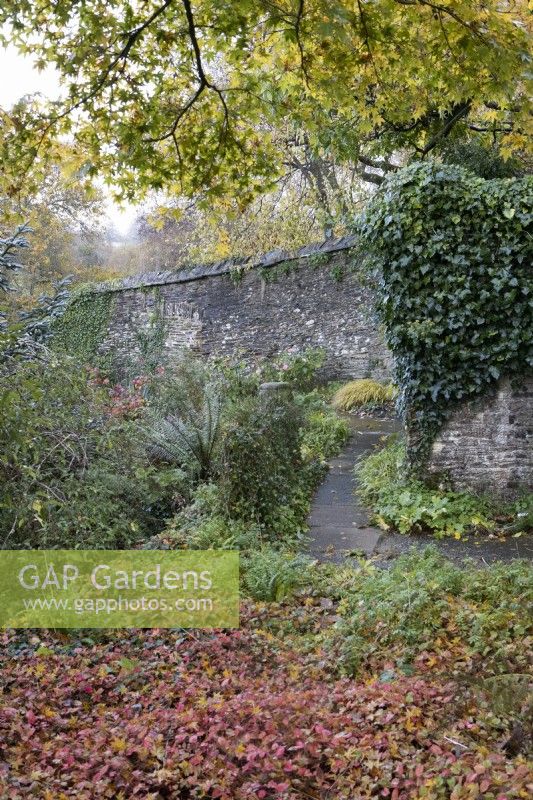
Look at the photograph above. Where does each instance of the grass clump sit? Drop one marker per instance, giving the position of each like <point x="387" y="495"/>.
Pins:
<point x="361" y="393"/>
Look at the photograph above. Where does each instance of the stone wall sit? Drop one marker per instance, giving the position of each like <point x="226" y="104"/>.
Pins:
<point x="255" y="309"/>
<point x="488" y="445"/>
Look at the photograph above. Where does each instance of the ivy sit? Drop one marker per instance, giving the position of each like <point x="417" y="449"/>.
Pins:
<point x="151" y="340"/>
<point x="452" y="254"/>
<point x="83" y="326"/>
<point x="284" y="268"/>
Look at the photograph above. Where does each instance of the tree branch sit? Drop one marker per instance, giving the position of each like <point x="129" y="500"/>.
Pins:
<point x="204" y="82"/>
<point x="458" y="114"/>
<point x="445" y="10"/>
<point x="386" y="166"/>
<point x="297" y="27"/>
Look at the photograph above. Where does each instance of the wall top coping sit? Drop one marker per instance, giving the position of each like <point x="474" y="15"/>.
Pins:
<point x="224" y="267"/>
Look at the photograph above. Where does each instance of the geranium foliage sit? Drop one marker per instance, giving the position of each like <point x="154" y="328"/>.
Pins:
<point x="454" y="253"/>
<point x="231" y="715"/>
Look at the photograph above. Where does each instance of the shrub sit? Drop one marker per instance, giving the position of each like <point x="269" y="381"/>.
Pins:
<point x="70" y="474"/>
<point x="180" y="388"/>
<point x="242" y="378"/>
<point x="260" y="460"/>
<point x="298" y="369"/>
<point x="424" y="604"/>
<point x="360" y="393"/>
<point x="408" y="505"/>
<point x="201" y="526"/>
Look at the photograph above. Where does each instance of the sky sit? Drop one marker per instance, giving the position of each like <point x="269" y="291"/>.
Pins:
<point x="17" y="78"/>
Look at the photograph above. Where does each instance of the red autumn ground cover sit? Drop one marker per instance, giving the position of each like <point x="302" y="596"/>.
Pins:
<point x="230" y="715"/>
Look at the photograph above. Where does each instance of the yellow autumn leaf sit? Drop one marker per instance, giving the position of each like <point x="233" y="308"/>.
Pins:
<point x="118" y="745"/>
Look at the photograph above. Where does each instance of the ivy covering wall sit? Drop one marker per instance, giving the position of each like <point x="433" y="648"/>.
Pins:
<point x="83" y="326"/>
<point x="452" y="254"/>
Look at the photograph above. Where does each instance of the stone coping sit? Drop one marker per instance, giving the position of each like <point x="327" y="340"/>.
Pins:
<point x="224" y="267"/>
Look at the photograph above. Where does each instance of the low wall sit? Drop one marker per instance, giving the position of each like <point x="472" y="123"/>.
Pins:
<point x="488" y="445"/>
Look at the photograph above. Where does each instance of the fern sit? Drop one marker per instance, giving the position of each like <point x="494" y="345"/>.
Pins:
<point x="189" y="440"/>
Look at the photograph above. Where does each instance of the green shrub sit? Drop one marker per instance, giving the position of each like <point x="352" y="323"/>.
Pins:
<point x="179" y="388"/>
<point x="71" y="475"/>
<point x="323" y="436"/>
<point x="298" y="369"/>
<point x="201" y="526"/>
<point x="361" y="393"/>
<point x="260" y="460"/>
<point x="408" y="505"/>
<point x="424" y="603"/>
<point x="271" y="575"/>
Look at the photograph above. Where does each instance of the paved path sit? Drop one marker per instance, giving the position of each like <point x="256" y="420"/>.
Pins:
<point x="339" y="527"/>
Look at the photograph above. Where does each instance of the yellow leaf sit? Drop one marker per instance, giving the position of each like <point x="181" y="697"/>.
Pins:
<point x="118" y="745"/>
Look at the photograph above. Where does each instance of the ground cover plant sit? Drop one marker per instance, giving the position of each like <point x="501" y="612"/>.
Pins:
<point x="424" y="604"/>
<point x="408" y="505"/>
<point x="241" y="714"/>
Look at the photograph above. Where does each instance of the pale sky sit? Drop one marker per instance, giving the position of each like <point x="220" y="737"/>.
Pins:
<point x="17" y="78"/>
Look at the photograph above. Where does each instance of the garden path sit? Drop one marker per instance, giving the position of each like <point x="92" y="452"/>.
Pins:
<point x="340" y="528"/>
<point x="339" y="525"/>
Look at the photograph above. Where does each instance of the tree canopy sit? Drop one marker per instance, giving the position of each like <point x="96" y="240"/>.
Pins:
<point x="202" y="96"/>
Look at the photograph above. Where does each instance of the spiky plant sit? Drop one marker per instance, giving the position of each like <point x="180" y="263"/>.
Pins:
<point x="362" y="392"/>
<point x="190" y="439"/>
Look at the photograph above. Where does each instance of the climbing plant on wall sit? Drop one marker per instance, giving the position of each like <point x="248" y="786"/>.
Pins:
<point x="83" y="326"/>
<point x="453" y="255"/>
<point x="150" y="340"/>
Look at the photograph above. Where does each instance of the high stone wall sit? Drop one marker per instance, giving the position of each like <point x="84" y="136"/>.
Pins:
<point x="254" y="309"/>
<point x="487" y="445"/>
<point x="313" y="299"/>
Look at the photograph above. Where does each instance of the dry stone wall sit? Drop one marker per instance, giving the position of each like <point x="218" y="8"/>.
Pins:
<point x="257" y="309"/>
<point x="488" y="445"/>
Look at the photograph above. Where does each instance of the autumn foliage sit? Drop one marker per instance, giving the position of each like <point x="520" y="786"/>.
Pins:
<point x="232" y="715"/>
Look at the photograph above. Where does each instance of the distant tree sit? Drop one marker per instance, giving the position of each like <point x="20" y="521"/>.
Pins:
<point x="66" y="216"/>
<point x="25" y="335"/>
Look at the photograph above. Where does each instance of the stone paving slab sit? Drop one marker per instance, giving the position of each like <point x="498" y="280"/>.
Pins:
<point x="339" y="525"/>
<point x="481" y="549"/>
